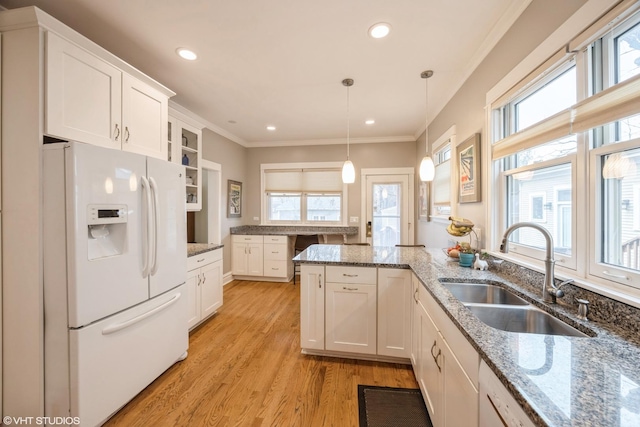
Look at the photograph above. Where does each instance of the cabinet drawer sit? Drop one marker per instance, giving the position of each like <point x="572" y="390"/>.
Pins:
<point x="348" y="274"/>
<point x="276" y="239"/>
<point x="241" y="238"/>
<point x="275" y="268"/>
<point x="275" y="252"/>
<point x="197" y="261"/>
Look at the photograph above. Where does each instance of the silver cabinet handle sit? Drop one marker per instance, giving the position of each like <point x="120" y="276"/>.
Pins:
<point x="275" y="268"/>
<point x="276" y="252"/>
<point x="199" y="280"/>
<point x="117" y="132"/>
<point x="415" y="295"/>
<point x="349" y="275"/>
<point x="320" y="281"/>
<point x="126" y="132"/>
<point x="435" y="357"/>
<point x="200" y="260"/>
<point x="204" y="278"/>
<point x="349" y="289"/>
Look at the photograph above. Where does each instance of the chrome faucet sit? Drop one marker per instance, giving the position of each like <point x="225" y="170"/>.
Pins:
<point x="549" y="290"/>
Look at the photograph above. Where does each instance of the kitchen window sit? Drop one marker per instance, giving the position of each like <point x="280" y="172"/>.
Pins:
<point x="303" y="194"/>
<point x="442" y="194"/>
<point x="565" y="155"/>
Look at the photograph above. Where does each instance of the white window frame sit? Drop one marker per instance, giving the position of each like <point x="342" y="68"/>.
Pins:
<point x="623" y="278"/>
<point x="266" y="167"/>
<point x="524" y="75"/>
<point x="446" y="141"/>
<point x="635" y="207"/>
<point x="528" y="254"/>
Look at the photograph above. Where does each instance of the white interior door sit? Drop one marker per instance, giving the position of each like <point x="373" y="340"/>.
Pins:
<point x="387" y="204"/>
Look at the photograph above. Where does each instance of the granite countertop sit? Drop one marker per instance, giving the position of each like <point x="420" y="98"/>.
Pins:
<point x="558" y="380"/>
<point x="281" y="230"/>
<point x="199" y="248"/>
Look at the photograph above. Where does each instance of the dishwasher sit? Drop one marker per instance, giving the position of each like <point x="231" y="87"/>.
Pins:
<point x="497" y="406"/>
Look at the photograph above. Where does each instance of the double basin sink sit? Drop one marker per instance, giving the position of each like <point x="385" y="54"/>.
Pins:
<point x="502" y="309"/>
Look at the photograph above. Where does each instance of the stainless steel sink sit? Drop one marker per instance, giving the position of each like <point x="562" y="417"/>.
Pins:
<point x="483" y="293"/>
<point x="524" y="319"/>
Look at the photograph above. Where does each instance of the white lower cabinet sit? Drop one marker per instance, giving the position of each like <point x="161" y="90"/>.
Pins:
<point x="358" y="310"/>
<point x="247" y="255"/>
<point x="204" y="286"/>
<point x="394" y="312"/>
<point x="351" y="317"/>
<point x="446" y="367"/>
<point x="312" y="307"/>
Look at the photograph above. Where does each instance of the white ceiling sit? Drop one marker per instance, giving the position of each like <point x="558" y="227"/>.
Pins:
<point x="281" y="62"/>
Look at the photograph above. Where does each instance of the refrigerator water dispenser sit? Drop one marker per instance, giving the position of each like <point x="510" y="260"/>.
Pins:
<point x="107" y="230"/>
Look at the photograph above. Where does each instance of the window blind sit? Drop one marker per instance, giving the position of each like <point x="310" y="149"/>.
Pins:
<point x="442" y="184"/>
<point x="321" y="180"/>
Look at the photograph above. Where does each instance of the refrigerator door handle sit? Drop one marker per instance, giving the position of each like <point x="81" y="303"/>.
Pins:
<point x="154" y="256"/>
<point x="146" y="188"/>
<point x="120" y="326"/>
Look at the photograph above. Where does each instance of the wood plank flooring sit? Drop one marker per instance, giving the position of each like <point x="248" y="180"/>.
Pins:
<point x="245" y="369"/>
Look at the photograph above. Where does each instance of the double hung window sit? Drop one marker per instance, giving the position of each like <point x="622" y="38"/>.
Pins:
<point x="566" y="156"/>
<point x="442" y="194"/>
<point x="309" y="195"/>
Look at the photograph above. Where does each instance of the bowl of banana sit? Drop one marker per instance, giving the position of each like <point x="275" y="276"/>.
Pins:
<point x="459" y="227"/>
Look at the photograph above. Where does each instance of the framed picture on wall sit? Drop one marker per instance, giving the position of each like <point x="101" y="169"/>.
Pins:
<point x="468" y="154"/>
<point x="234" y="193"/>
<point x="423" y="213"/>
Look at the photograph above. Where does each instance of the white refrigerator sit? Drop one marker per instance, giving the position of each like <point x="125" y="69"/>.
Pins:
<point x="114" y="233"/>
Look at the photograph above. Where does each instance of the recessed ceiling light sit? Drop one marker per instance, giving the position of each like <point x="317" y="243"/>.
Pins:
<point x="187" y="54"/>
<point x="369" y="122"/>
<point x="271" y="128"/>
<point x="380" y="30"/>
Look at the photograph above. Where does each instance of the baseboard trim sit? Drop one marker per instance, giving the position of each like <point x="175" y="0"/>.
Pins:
<point x="357" y="356"/>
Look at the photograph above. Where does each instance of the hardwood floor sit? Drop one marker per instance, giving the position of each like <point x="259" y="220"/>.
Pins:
<point x="245" y="369"/>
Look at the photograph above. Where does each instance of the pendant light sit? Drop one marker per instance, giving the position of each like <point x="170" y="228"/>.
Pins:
<point x="348" y="171"/>
<point x="427" y="168"/>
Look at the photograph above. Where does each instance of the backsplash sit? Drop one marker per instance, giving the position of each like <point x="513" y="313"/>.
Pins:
<point x="616" y="314"/>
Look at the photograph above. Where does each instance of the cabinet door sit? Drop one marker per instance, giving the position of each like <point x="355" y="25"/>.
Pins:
<point x="255" y="262"/>
<point x="394" y="312"/>
<point x="312" y="307"/>
<point x="211" y="289"/>
<point x="144" y="119"/>
<point x="415" y="323"/>
<point x="350" y="316"/>
<point x="193" y="298"/>
<point x="458" y="392"/>
<point x="430" y="367"/>
<point x="239" y="255"/>
<point x="83" y="95"/>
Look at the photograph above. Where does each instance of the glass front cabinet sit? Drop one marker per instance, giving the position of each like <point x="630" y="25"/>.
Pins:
<point x="185" y="147"/>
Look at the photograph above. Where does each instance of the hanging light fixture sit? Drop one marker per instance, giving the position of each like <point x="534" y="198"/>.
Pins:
<point x="427" y="168"/>
<point x="348" y="171"/>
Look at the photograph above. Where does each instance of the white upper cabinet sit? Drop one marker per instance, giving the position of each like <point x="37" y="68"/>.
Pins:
<point x="144" y="118"/>
<point x="83" y="95"/>
<point x="92" y="101"/>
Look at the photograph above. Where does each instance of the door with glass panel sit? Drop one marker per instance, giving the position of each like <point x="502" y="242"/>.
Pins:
<point x="387" y="199"/>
